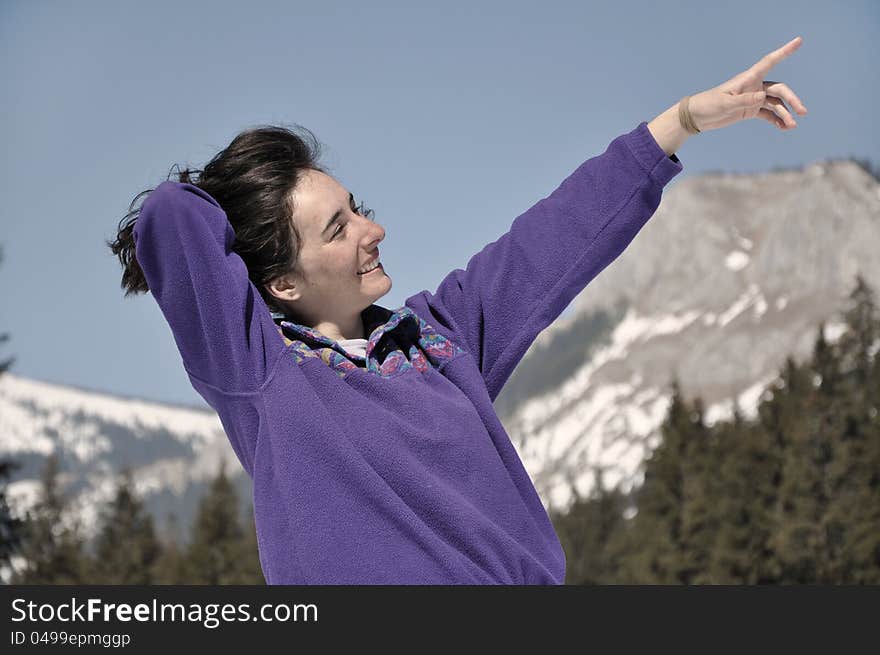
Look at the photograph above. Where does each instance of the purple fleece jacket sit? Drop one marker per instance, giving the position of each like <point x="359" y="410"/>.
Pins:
<point x="394" y="469"/>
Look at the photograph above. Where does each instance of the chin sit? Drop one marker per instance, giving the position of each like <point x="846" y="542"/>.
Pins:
<point x="390" y="284"/>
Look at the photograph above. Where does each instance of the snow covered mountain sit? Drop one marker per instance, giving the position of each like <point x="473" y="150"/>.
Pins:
<point x="732" y="274"/>
<point x="173" y="451"/>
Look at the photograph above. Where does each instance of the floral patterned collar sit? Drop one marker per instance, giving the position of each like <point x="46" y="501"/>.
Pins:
<point x="397" y="340"/>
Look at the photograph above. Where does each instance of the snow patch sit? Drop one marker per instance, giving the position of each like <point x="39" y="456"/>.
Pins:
<point x="760" y="306"/>
<point x="833" y="331"/>
<point x="748" y="401"/>
<point x="736" y="260"/>
<point x="751" y="295"/>
<point x="32" y="410"/>
<point x="632" y="329"/>
<point x="23" y="494"/>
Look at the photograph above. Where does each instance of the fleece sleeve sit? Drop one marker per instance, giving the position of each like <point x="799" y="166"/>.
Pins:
<point x="519" y="284"/>
<point x="223" y="328"/>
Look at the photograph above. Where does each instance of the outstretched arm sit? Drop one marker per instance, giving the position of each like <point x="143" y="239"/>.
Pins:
<point x="516" y="286"/>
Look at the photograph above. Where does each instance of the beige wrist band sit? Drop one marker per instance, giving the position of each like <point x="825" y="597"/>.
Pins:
<point x="685" y="118"/>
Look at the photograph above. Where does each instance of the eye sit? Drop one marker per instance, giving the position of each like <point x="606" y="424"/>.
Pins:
<point x="361" y="209"/>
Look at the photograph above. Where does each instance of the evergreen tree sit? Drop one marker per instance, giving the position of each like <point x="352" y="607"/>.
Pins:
<point x="52" y="552"/>
<point x="858" y="342"/>
<point x="699" y="511"/>
<point x="655" y="553"/>
<point x="6" y="364"/>
<point x="11" y="526"/>
<point x="586" y="531"/>
<point x="793" y="497"/>
<point x="170" y="567"/>
<point x="217" y="551"/>
<point x="745" y="496"/>
<point x="253" y="569"/>
<point x="781" y="418"/>
<point x="805" y="540"/>
<point x="854" y="505"/>
<point x="126" y="547"/>
<point x="863" y="540"/>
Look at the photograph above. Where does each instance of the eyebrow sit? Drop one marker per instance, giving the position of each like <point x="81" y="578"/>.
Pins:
<point x="336" y="216"/>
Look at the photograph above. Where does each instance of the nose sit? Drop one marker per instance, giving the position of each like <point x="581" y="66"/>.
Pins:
<point x="376" y="233"/>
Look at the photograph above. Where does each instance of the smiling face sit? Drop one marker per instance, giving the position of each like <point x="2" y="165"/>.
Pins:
<point x="336" y="243"/>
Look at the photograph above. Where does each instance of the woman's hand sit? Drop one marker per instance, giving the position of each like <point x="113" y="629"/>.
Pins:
<point x="749" y="95"/>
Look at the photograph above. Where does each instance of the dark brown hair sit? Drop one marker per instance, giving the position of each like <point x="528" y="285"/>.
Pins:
<point x="252" y="179"/>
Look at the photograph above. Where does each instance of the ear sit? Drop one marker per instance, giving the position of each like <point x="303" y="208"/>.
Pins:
<point x="284" y="287"/>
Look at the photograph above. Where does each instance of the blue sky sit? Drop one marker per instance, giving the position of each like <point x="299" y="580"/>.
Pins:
<point x="457" y="115"/>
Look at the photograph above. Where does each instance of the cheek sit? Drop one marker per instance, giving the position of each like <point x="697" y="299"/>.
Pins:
<point x="334" y="267"/>
<point x="315" y="270"/>
<point x="318" y="261"/>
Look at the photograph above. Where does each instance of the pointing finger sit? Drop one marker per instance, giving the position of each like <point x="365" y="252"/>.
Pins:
<point x="769" y="61"/>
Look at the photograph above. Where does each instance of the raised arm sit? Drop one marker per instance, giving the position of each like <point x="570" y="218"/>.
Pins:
<point x="519" y="284"/>
<point x="222" y="326"/>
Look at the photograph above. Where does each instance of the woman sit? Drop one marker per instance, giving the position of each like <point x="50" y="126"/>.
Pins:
<point x="370" y="435"/>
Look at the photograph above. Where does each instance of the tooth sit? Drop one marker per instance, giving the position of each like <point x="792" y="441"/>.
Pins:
<point x="370" y="267"/>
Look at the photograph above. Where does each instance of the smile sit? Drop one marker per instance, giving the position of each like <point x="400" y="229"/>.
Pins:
<point x="373" y="267"/>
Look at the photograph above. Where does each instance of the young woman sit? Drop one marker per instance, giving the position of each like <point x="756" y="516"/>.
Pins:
<point x="370" y="435"/>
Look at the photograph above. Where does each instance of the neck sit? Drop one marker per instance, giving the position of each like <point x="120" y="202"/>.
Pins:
<point x="351" y="327"/>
